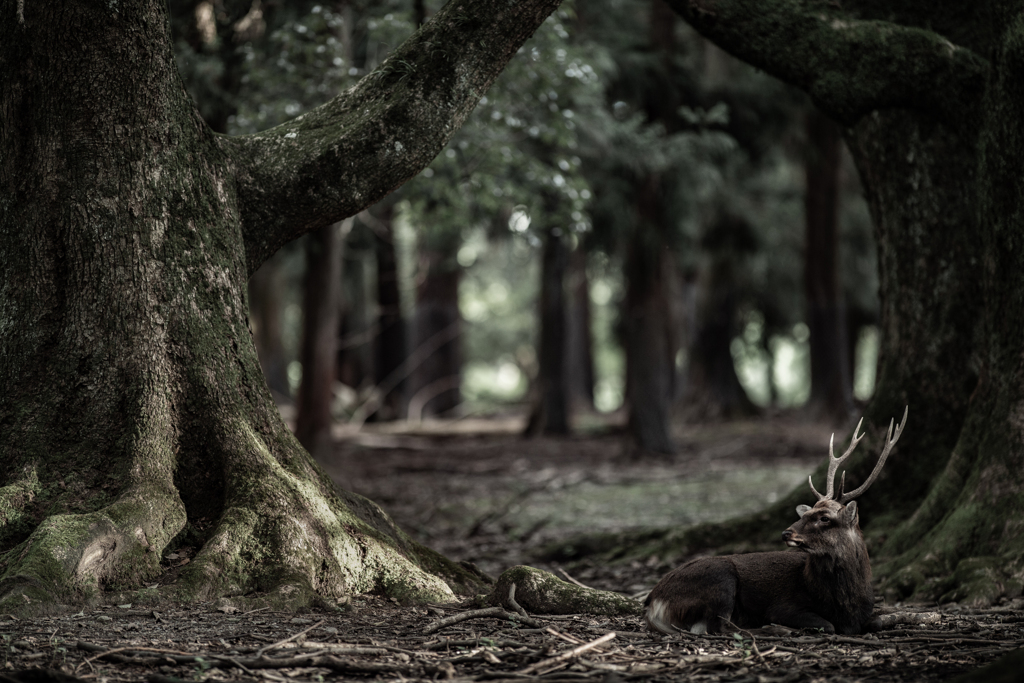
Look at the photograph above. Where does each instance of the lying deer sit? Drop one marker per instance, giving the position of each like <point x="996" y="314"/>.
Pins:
<point x="827" y="586"/>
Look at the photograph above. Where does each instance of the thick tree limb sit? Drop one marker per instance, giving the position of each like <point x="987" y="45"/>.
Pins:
<point x="849" y="66"/>
<point x="352" y="151"/>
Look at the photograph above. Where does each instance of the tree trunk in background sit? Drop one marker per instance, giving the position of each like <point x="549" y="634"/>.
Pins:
<point x="579" y="340"/>
<point x="831" y="392"/>
<point x="713" y="390"/>
<point x="391" y="340"/>
<point x="550" y="411"/>
<point x="650" y="351"/>
<point x="265" y="310"/>
<point x="321" y="313"/>
<point x="356" y="331"/>
<point x="437" y="380"/>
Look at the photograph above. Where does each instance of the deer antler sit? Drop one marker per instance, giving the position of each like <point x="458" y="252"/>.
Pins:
<point x="834" y="463"/>
<point x="890" y="440"/>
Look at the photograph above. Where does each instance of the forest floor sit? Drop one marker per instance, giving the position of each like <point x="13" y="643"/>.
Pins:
<point x="476" y="491"/>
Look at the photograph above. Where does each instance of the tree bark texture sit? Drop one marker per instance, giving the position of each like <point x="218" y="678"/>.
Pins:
<point x="831" y="390"/>
<point x="321" y="315"/>
<point x="550" y="412"/>
<point x="128" y="231"/>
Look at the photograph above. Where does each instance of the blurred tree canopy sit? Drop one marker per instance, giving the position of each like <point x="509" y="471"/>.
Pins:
<point x="619" y="136"/>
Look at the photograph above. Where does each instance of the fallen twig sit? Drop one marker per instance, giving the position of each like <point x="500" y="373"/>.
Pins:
<point x="570" y="639"/>
<point x="289" y="638"/>
<point x="499" y="612"/>
<point x="572" y="580"/>
<point x="558" y="659"/>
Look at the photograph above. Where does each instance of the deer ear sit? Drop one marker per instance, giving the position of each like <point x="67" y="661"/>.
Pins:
<point x="801" y="509"/>
<point x="851" y="512"/>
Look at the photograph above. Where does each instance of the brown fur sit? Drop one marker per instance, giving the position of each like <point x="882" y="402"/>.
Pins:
<point x="825" y="585"/>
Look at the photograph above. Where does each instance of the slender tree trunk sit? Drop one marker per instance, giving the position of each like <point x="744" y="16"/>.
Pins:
<point x="713" y="391"/>
<point x="650" y="354"/>
<point x="391" y="338"/>
<point x="831" y="392"/>
<point x="550" y="412"/>
<point x="419" y="11"/>
<point x="265" y="310"/>
<point x="438" y="325"/>
<point x="579" y="341"/>
<point x="320" y="317"/>
<point x="357" y="332"/>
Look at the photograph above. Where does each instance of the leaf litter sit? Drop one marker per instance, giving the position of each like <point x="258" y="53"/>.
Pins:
<point x="494" y="479"/>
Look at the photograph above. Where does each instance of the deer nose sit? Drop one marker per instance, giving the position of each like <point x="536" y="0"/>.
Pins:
<point x="787" y="534"/>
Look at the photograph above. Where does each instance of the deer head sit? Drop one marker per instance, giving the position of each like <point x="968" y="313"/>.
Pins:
<point x="837" y="509"/>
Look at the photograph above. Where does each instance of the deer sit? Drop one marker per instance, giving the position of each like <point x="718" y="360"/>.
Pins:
<point x="822" y="582"/>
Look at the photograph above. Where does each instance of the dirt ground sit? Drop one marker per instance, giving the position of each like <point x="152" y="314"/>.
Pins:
<point x="476" y="491"/>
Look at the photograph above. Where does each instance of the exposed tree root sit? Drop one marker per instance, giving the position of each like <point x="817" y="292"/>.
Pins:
<point x="541" y="592"/>
<point x="282" y="538"/>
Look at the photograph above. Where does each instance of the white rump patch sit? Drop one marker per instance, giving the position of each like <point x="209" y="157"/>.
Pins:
<point x="656" y="617"/>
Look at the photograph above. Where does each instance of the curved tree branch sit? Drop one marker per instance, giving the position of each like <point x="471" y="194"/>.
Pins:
<point x="352" y="151"/>
<point x="849" y="66"/>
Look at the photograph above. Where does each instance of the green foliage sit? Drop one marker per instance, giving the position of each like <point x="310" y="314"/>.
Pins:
<point x="586" y="111"/>
<point x="519" y="151"/>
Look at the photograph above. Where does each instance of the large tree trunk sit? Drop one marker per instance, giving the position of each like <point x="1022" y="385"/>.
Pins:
<point x="321" y="313"/>
<point x="966" y="541"/>
<point x="831" y="390"/>
<point x="550" y="412"/>
<point x="128" y="231"/>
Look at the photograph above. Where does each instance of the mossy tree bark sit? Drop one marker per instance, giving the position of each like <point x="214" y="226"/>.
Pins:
<point x="938" y="136"/>
<point x="134" y="410"/>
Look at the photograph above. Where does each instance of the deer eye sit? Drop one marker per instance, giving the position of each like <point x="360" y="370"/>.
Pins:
<point x="825" y="520"/>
